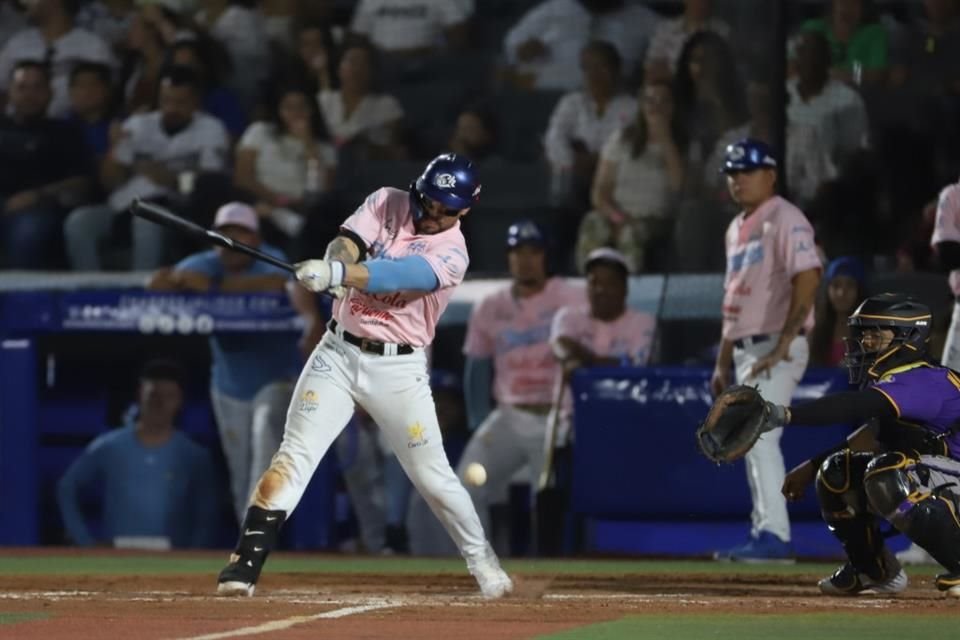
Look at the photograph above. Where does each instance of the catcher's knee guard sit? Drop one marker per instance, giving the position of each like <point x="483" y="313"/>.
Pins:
<point x="929" y="517"/>
<point x="843" y="505"/>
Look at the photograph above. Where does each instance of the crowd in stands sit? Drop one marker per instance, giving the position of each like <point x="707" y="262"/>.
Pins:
<point x="604" y="118"/>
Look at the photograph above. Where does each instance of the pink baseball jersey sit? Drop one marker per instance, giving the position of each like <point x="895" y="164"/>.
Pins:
<point x="385" y="223"/>
<point x="515" y="332"/>
<point x="947" y="226"/>
<point x="630" y="336"/>
<point x="764" y="251"/>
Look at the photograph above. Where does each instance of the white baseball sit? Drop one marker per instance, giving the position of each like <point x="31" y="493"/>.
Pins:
<point x="475" y="474"/>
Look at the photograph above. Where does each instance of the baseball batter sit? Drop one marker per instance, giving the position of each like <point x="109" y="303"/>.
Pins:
<point x="772" y="276"/>
<point x="399" y="257"/>
<point x="511" y="329"/>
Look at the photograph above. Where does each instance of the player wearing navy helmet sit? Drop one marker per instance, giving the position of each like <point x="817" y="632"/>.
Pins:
<point x="450" y="180"/>
<point x="398" y="258"/>
<point x="772" y="276"/>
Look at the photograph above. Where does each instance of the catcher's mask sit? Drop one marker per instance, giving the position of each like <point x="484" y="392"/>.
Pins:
<point x="908" y="319"/>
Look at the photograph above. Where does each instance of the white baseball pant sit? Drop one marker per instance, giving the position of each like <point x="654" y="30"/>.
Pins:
<point x="395" y="391"/>
<point x="765" y="467"/>
<point x="951" y="347"/>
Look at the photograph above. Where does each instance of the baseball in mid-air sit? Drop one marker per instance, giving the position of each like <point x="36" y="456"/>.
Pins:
<point x="475" y="474"/>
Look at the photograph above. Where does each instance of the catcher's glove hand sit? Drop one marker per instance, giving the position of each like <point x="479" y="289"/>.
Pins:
<point x="735" y="422"/>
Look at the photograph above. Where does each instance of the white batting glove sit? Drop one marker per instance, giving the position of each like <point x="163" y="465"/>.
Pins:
<point x="314" y="274"/>
<point x="338" y="292"/>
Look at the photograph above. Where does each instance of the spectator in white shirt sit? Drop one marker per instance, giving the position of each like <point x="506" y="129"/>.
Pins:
<point x="641" y="170"/>
<point x="157" y="154"/>
<point x="239" y="28"/>
<point x="412" y="27"/>
<point x="355" y="114"/>
<point x="543" y="48"/>
<point x="820" y="103"/>
<point x="583" y="120"/>
<point x="287" y="162"/>
<point x="57" y="41"/>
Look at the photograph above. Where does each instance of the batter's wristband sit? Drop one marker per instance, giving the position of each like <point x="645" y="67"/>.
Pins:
<point x="337" y="272"/>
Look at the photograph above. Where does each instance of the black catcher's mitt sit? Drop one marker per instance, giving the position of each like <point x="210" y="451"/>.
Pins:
<point x="733" y="425"/>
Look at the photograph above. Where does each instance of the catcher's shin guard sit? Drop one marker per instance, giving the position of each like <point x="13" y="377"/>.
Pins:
<point x="843" y="505"/>
<point x="928" y="517"/>
<point x="258" y="537"/>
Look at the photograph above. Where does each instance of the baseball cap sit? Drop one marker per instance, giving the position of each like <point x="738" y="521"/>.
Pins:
<point x="609" y="255"/>
<point x="746" y="155"/>
<point x="846" y="266"/>
<point x="525" y="232"/>
<point x="237" y="214"/>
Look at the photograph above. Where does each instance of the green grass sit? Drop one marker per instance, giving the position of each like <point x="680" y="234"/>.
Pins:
<point x="765" y="627"/>
<point x="13" y="618"/>
<point x="284" y="563"/>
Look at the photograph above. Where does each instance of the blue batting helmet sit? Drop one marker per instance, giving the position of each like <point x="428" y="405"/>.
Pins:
<point x="748" y="154"/>
<point x="449" y="179"/>
<point x="526" y="232"/>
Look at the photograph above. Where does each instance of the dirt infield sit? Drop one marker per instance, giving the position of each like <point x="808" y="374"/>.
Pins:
<point x="423" y="606"/>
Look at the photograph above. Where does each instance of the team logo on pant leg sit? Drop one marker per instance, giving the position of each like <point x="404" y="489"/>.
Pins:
<point x="319" y="365"/>
<point x="415" y="435"/>
<point x="309" y="402"/>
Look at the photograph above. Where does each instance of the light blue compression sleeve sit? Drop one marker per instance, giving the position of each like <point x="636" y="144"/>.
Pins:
<point x="410" y="273"/>
<point x="477" y="378"/>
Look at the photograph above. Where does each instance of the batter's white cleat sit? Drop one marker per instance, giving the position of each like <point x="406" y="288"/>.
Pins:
<point x="493" y="581"/>
<point x="235" y="589"/>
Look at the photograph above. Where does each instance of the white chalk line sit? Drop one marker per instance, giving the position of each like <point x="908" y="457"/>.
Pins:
<point x="286" y="623"/>
<point x="312" y="598"/>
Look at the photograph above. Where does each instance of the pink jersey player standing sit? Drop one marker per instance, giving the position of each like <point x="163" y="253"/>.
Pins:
<point x="772" y="276"/>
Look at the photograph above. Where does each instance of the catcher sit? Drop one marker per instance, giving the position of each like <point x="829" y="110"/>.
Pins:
<point x="902" y="465"/>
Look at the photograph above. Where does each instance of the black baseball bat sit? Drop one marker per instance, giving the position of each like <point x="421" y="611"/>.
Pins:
<point x="163" y="216"/>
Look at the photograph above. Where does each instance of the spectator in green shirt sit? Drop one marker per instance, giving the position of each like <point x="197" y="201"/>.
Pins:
<point x="858" y="46"/>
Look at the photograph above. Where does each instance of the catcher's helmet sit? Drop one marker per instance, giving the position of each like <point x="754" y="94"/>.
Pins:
<point x="746" y="155"/>
<point x="526" y="232"/>
<point x="910" y="322"/>
<point x="449" y="179"/>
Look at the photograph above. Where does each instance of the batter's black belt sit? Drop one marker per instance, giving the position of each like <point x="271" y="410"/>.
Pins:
<point x="743" y="343"/>
<point x="366" y="344"/>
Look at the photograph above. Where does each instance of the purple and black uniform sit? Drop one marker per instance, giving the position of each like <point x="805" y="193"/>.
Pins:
<point x="927" y="396"/>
